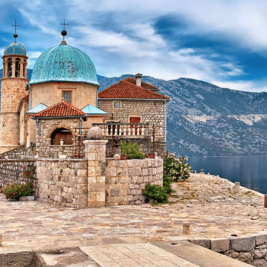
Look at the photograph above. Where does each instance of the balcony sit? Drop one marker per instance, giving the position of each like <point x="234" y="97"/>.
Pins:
<point x="126" y="130"/>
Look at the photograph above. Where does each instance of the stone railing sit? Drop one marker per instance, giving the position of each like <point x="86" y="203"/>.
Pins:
<point x="125" y="129"/>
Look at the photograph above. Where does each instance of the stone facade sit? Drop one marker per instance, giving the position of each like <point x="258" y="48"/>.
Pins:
<point x="251" y="249"/>
<point x="63" y="182"/>
<point x="11" y="170"/>
<point x="12" y="90"/>
<point x="152" y="111"/>
<point x="125" y="179"/>
<point x="44" y="148"/>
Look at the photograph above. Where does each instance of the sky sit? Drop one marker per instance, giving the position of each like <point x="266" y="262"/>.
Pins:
<point x="219" y="41"/>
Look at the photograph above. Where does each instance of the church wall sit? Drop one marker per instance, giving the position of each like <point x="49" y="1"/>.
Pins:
<point x="9" y="133"/>
<point x="12" y="90"/>
<point x="44" y="149"/>
<point x="50" y="93"/>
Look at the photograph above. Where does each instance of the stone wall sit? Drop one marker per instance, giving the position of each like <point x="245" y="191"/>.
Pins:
<point x="11" y="171"/>
<point x="44" y="149"/>
<point x="252" y="250"/>
<point x="63" y="182"/>
<point x="125" y="179"/>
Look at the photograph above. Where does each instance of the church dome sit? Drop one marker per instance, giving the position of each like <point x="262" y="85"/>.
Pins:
<point x="64" y="63"/>
<point x="15" y="49"/>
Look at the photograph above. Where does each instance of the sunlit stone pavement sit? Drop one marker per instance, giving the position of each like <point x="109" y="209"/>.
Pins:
<point x="206" y="202"/>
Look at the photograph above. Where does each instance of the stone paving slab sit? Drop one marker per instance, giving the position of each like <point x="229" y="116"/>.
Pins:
<point x="206" y="202"/>
<point x="134" y="255"/>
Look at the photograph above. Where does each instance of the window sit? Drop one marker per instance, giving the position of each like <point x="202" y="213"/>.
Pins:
<point x="117" y="104"/>
<point x="67" y="96"/>
<point x="17" y="70"/>
<point x="9" y="67"/>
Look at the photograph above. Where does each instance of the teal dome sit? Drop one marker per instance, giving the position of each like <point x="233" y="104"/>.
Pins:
<point x="64" y="63"/>
<point x="15" y="49"/>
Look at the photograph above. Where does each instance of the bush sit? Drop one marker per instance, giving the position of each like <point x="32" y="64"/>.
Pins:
<point x="155" y="192"/>
<point x="132" y="151"/>
<point x="15" y="191"/>
<point x="176" y="168"/>
<point x="167" y="181"/>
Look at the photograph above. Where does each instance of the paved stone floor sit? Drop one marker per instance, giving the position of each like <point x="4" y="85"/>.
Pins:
<point x="207" y="202"/>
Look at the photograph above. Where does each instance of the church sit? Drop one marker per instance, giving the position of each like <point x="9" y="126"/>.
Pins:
<point x="61" y="102"/>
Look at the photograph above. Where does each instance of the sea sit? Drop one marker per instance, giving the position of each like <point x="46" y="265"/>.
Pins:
<point x="250" y="171"/>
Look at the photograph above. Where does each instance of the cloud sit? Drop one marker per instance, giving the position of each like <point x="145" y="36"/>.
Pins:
<point x="122" y="36"/>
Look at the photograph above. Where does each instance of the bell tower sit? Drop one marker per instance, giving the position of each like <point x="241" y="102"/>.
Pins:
<point x="13" y="89"/>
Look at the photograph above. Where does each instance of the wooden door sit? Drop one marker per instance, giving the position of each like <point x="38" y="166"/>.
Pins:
<point x="135" y="120"/>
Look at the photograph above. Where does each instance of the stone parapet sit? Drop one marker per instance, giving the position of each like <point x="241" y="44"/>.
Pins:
<point x="63" y="182"/>
<point x="125" y="179"/>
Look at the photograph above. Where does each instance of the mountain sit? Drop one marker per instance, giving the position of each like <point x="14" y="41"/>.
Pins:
<point x="206" y="120"/>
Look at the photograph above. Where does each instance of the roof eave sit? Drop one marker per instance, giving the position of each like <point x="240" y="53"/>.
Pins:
<point x="30" y="83"/>
<point x="157" y="99"/>
<point x="58" y="117"/>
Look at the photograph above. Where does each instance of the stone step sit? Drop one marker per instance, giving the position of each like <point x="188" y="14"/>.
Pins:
<point x="134" y="255"/>
<point x="198" y="255"/>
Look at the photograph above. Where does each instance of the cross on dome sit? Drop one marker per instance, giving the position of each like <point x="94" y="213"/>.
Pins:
<point x="15" y="34"/>
<point x="64" y="32"/>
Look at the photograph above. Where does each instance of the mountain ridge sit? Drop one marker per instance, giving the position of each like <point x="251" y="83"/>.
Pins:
<point x="207" y="120"/>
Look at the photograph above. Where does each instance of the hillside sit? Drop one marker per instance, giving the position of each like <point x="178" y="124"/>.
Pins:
<point x="206" y="120"/>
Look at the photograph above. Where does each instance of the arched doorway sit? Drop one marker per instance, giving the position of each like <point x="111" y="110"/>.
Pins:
<point x="61" y="133"/>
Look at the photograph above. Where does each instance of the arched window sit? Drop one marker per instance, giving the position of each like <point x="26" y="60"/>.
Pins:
<point x="17" y="70"/>
<point x="9" y="67"/>
<point x="61" y="134"/>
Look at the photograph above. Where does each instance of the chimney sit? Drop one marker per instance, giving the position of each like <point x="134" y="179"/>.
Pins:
<point x="138" y="78"/>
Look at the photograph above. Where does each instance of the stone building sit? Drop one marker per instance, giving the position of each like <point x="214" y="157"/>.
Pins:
<point x="61" y="102"/>
<point x="44" y="122"/>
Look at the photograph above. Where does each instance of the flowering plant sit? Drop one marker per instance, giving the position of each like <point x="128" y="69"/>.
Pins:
<point x="176" y="168"/>
<point x="15" y="191"/>
<point x="29" y="173"/>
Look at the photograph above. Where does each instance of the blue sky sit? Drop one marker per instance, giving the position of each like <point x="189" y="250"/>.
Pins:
<point x="220" y="41"/>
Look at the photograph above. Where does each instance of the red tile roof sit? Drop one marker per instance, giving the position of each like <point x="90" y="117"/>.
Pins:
<point x="125" y="89"/>
<point x="143" y="84"/>
<point x="61" y="109"/>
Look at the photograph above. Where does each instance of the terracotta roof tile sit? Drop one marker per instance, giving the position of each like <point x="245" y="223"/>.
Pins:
<point x="61" y="109"/>
<point x="143" y="84"/>
<point x="125" y="89"/>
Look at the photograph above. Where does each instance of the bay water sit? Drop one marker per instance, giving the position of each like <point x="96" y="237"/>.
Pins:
<point x="250" y="171"/>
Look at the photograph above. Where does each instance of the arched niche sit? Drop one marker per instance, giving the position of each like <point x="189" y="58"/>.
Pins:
<point x="9" y="67"/>
<point x="17" y="67"/>
<point x="61" y="134"/>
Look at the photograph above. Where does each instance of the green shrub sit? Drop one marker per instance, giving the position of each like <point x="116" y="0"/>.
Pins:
<point x="15" y="191"/>
<point x="176" y="168"/>
<point x="167" y="181"/>
<point x="132" y="151"/>
<point x="155" y="192"/>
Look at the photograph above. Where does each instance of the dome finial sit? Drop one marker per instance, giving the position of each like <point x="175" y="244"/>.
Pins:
<point x="15" y="34"/>
<point x="64" y="32"/>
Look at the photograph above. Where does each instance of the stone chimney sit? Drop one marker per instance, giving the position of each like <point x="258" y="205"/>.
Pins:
<point x="138" y="78"/>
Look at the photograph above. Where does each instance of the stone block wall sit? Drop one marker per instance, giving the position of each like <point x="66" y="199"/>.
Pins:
<point x="125" y="179"/>
<point x="44" y="149"/>
<point x="63" y="182"/>
<point x="251" y="250"/>
<point x="11" y="171"/>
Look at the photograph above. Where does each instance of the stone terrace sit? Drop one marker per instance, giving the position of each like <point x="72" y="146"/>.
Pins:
<point x="206" y="202"/>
